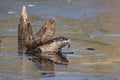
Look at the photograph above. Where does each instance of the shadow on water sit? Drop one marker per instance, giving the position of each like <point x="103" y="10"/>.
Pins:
<point x="43" y="63"/>
<point x="45" y="66"/>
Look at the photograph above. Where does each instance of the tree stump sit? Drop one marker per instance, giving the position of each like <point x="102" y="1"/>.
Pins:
<point x="42" y="44"/>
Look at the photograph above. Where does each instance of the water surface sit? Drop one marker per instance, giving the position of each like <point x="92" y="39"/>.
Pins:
<point x="88" y="23"/>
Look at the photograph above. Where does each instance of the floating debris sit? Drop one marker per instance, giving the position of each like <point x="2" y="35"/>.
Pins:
<point x="90" y="48"/>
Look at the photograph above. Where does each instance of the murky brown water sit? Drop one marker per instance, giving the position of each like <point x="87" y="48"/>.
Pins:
<point x="88" y="23"/>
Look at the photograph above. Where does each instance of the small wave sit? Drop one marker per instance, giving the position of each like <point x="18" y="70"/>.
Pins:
<point x="11" y="12"/>
<point x="30" y="5"/>
<point x="76" y="56"/>
<point x="9" y="46"/>
<point x="9" y="30"/>
<point x="10" y="54"/>
<point x="100" y="54"/>
<point x="104" y="35"/>
<point x="66" y="73"/>
<point x="12" y="30"/>
<point x="85" y="77"/>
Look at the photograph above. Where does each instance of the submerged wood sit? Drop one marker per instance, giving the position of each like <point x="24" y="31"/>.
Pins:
<point x="42" y="44"/>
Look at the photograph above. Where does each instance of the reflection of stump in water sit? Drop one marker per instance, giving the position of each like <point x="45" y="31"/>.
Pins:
<point x="46" y="66"/>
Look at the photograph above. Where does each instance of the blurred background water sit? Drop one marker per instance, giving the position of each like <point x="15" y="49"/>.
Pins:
<point x="88" y="23"/>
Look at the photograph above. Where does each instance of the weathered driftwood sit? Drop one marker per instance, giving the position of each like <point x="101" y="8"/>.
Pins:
<point x="42" y="45"/>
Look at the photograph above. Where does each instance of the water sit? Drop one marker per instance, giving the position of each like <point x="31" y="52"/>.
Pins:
<point x="88" y="23"/>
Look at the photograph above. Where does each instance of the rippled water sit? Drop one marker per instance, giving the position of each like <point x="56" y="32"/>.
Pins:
<point x="88" y="23"/>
